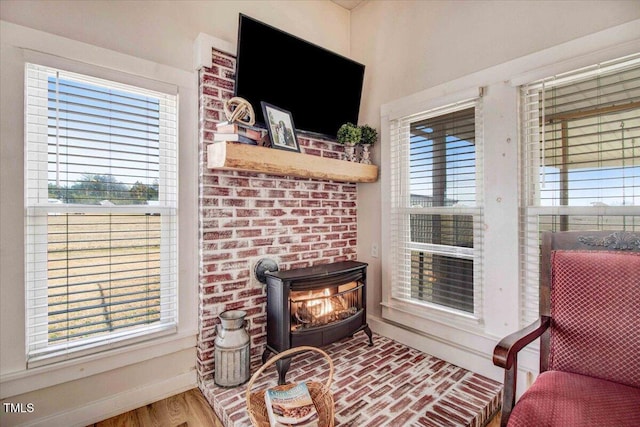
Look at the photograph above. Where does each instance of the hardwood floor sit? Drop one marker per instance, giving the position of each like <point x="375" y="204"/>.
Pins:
<point x="495" y="421"/>
<point x="188" y="409"/>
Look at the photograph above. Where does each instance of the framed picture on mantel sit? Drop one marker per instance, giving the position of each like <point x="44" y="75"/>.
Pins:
<point x="281" y="129"/>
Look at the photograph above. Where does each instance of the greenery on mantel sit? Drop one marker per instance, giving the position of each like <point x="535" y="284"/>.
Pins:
<point x="349" y="134"/>
<point x="369" y="135"/>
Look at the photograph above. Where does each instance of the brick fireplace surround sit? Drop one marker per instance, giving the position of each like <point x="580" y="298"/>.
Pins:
<point x="300" y="223"/>
<point x="246" y="216"/>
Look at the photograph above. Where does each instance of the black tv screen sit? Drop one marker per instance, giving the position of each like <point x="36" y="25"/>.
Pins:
<point x="321" y="89"/>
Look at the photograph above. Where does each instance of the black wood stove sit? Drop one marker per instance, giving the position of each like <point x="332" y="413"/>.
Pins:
<point x="314" y="306"/>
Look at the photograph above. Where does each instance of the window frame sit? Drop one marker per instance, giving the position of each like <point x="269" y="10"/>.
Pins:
<point x="533" y="211"/>
<point x="20" y="45"/>
<point x="37" y="210"/>
<point x="395" y="308"/>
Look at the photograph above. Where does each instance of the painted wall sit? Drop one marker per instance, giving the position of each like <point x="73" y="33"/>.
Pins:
<point x="426" y="50"/>
<point x="139" y="38"/>
<point x="164" y="31"/>
<point x="409" y="46"/>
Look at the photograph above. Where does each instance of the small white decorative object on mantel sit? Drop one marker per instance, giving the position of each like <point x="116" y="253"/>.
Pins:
<point x="238" y="109"/>
<point x="365" y="155"/>
<point x="350" y="153"/>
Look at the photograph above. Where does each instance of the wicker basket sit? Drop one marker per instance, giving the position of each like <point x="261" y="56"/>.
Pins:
<point x="320" y="392"/>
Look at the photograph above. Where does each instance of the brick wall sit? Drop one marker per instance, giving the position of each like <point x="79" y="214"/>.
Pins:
<point x="245" y="217"/>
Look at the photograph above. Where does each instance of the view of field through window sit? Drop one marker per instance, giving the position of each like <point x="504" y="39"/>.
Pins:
<point x="103" y="269"/>
<point x="104" y="218"/>
<point x="103" y="273"/>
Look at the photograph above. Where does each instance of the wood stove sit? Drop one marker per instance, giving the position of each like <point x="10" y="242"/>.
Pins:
<point x="314" y="306"/>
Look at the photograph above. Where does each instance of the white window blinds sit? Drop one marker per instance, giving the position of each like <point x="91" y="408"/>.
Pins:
<point x="101" y="205"/>
<point x="581" y="136"/>
<point x="436" y="212"/>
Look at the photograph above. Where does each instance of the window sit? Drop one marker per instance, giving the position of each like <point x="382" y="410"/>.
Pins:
<point x="436" y="213"/>
<point x="101" y="206"/>
<point x="581" y="158"/>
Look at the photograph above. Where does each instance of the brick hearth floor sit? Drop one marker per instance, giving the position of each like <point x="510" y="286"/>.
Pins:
<point x="388" y="384"/>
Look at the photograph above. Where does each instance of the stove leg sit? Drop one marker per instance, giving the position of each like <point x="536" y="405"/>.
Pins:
<point x="369" y="334"/>
<point x="282" y="366"/>
<point x="265" y="355"/>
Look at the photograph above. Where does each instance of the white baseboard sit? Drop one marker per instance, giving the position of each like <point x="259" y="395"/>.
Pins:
<point x="476" y="359"/>
<point x="119" y="403"/>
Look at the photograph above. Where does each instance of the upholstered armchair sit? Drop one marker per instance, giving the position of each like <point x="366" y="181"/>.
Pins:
<point x="589" y="330"/>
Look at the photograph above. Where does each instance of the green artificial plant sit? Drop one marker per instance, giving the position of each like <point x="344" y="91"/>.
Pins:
<point x="369" y="135"/>
<point x="349" y="134"/>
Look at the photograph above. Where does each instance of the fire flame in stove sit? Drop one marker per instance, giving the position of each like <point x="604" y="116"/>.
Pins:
<point x="315" y="306"/>
<point x="325" y="304"/>
<point x="323" y="307"/>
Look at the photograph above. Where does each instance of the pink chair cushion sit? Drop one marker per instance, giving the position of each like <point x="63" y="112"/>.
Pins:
<point x="595" y="306"/>
<point x="564" y="399"/>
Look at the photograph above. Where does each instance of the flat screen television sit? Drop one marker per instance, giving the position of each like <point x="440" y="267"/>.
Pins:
<point x="320" y="88"/>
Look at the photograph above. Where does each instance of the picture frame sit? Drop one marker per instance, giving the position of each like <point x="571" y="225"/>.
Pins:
<point x="281" y="129"/>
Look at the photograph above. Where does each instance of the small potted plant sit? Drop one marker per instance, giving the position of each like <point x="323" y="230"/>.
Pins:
<point x="368" y="137"/>
<point x="349" y="135"/>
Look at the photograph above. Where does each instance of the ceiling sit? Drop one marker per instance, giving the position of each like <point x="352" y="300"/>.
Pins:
<point x="348" y="4"/>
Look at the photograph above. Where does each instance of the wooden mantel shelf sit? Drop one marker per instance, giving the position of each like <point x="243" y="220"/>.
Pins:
<point x="251" y="158"/>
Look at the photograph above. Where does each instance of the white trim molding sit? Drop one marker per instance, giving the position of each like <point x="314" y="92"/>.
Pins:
<point x="116" y="404"/>
<point x="202" y="47"/>
<point x="21" y="382"/>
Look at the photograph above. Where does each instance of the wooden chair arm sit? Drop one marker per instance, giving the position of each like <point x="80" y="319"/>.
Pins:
<point x="505" y="355"/>
<point x="507" y="349"/>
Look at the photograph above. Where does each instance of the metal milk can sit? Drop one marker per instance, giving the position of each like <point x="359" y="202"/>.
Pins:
<point x="232" y="349"/>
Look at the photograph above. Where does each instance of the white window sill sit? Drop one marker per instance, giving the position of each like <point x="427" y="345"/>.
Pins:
<point x="424" y="317"/>
<point x="15" y="383"/>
